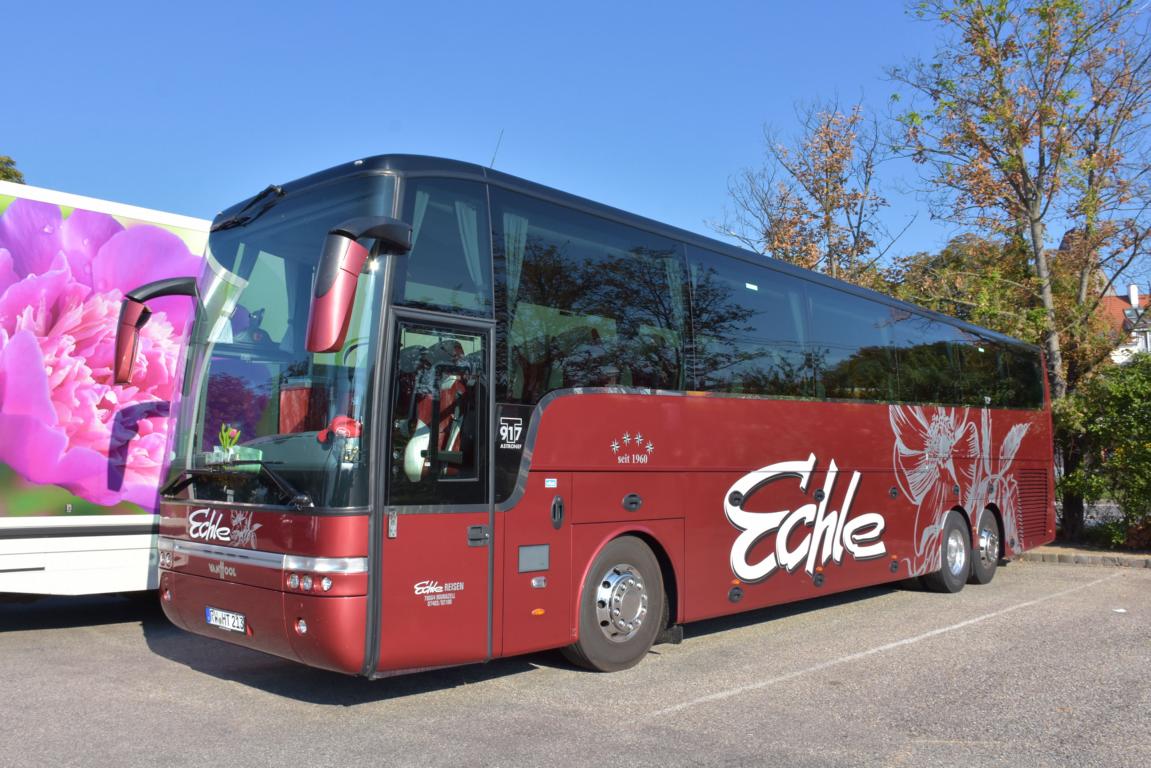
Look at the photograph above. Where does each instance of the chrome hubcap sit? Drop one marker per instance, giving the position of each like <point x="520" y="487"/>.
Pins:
<point x="956" y="553"/>
<point x="988" y="545"/>
<point x="621" y="603"/>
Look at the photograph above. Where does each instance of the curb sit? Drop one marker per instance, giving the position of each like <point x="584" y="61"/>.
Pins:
<point x="1065" y="558"/>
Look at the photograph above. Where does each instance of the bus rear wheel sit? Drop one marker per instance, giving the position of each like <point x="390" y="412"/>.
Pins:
<point x="955" y="565"/>
<point x="621" y="607"/>
<point x="985" y="559"/>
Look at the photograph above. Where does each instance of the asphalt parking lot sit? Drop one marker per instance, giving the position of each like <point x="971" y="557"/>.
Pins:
<point x="1050" y="665"/>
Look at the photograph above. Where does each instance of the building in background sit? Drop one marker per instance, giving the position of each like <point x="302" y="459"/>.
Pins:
<point x="1128" y="317"/>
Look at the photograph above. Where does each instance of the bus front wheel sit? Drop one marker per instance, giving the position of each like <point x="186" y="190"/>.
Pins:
<point x="955" y="543"/>
<point x="621" y="607"/>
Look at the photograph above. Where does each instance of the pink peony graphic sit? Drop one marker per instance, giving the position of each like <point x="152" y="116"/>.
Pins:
<point x="62" y="419"/>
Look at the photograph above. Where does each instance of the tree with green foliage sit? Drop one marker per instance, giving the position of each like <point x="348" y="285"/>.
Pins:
<point x="1030" y="122"/>
<point x="1034" y="113"/>
<point x="1113" y="411"/>
<point x="8" y="170"/>
<point x="1031" y="116"/>
<point x="983" y="280"/>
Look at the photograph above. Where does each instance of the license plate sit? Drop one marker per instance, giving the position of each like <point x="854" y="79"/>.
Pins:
<point x="233" y="622"/>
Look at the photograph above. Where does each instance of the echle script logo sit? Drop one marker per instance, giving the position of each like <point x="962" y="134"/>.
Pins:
<point x="832" y="533"/>
<point x="208" y="524"/>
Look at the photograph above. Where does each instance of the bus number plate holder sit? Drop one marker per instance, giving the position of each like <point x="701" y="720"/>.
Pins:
<point x="227" y="620"/>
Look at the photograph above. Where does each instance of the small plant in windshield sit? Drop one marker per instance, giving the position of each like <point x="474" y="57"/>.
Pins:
<point x="229" y="436"/>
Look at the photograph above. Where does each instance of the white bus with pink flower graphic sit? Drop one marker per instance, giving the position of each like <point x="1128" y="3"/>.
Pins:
<point x="81" y="457"/>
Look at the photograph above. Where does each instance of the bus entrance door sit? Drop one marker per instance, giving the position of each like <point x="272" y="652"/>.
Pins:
<point x="437" y="528"/>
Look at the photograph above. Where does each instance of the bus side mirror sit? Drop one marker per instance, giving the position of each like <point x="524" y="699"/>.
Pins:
<point x="339" y="271"/>
<point x="134" y="315"/>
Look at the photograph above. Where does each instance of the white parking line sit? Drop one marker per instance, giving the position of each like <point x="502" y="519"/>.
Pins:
<point x="719" y="696"/>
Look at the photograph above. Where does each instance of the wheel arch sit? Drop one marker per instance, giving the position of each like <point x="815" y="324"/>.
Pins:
<point x="963" y="513"/>
<point x="663" y="544"/>
<point x="667" y="568"/>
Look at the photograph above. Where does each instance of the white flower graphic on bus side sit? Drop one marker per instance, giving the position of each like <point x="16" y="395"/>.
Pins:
<point x="923" y="452"/>
<point x="990" y="480"/>
<point x="924" y="462"/>
<point x="929" y="444"/>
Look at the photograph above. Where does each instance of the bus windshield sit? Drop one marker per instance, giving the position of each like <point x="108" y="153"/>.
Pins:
<point x="261" y="414"/>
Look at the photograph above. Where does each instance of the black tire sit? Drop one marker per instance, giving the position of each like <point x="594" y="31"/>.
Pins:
<point x="985" y="558"/>
<point x="613" y="637"/>
<point x="955" y="556"/>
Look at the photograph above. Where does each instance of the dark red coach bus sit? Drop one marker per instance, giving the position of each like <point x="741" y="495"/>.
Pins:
<point x="433" y="414"/>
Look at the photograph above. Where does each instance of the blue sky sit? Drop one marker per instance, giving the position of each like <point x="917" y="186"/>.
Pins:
<point x="648" y="106"/>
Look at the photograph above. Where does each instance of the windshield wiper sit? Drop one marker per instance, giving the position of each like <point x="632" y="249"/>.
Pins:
<point x="294" y="498"/>
<point x="240" y="218"/>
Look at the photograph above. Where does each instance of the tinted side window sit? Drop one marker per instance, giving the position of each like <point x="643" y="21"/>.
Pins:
<point x="449" y="266"/>
<point x="1024" y="372"/>
<point x="927" y="358"/>
<point x="852" y="346"/>
<point x="589" y="302"/>
<point x="749" y="327"/>
<point x="983" y="379"/>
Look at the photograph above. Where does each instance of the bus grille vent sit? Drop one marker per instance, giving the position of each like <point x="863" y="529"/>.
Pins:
<point x="1033" y="503"/>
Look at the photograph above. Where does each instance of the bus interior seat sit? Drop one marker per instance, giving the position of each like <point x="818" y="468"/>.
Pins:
<point x="475" y="361"/>
<point x="440" y="409"/>
<point x="407" y="363"/>
<point x="409" y="359"/>
<point x="303" y="405"/>
<point x="446" y="352"/>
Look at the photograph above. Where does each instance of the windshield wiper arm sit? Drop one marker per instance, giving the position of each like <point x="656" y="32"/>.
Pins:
<point x="296" y="499"/>
<point x="239" y="218"/>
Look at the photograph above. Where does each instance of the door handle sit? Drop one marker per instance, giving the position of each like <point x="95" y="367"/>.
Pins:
<point x="557" y="512"/>
<point x="478" y="536"/>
